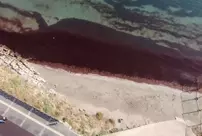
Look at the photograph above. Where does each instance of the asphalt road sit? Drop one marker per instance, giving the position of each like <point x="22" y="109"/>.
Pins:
<point x="11" y="129"/>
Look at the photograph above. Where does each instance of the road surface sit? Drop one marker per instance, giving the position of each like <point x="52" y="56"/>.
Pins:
<point x="11" y="129"/>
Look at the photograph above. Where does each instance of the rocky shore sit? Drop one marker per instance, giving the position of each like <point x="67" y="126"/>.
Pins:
<point x="15" y="63"/>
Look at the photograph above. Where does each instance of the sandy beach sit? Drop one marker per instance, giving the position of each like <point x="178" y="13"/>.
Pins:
<point x="136" y="103"/>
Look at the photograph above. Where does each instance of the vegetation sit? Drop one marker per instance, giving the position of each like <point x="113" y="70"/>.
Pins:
<point x="99" y="115"/>
<point x="54" y="104"/>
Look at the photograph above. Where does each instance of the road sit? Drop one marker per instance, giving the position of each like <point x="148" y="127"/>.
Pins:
<point x="27" y="120"/>
<point x="11" y="129"/>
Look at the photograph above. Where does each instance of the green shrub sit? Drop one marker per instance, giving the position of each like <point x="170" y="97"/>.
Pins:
<point x="99" y="115"/>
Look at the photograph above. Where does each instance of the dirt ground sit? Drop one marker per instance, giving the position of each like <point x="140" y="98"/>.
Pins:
<point x="136" y="104"/>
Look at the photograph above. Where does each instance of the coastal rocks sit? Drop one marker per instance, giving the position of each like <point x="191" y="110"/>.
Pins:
<point x="15" y="63"/>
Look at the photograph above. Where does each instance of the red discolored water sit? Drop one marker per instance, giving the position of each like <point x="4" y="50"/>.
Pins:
<point x="85" y="55"/>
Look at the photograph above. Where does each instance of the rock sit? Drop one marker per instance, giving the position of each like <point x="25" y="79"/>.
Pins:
<point x="113" y="130"/>
<point x="11" y="60"/>
<point x="120" y="120"/>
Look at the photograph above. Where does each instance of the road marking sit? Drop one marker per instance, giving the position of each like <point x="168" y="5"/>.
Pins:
<point x="42" y="131"/>
<point x="26" y="118"/>
<point x="32" y="119"/>
<point x="8" y="108"/>
<point x="23" y="122"/>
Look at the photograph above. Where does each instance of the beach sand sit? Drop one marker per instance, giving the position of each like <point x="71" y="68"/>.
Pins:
<point x="136" y="104"/>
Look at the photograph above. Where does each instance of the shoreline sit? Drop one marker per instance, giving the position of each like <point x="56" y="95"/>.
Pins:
<point x="85" y="55"/>
<point x="136" y="103"/>
<point x="95" y="73"/>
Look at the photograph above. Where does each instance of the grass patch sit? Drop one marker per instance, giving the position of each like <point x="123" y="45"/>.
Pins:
<point x="53" y="104"/>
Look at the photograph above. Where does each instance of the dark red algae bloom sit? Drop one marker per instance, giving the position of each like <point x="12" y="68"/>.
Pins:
<point x="85" y="55"/>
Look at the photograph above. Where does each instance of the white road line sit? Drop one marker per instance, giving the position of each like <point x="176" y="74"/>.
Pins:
<point x="42" y="131"/>
<point x="26" y="118"/>
<point x="8" y="108"/>
<point x="32" y="119"/>
<point x="5" y="112"/>
<point x="23" y="122"/>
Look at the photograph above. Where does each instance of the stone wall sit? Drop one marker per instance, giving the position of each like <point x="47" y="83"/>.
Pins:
<point x="14" y="62"/>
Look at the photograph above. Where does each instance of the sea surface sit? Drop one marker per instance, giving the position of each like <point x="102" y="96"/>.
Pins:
<point x="170" y="33"/>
